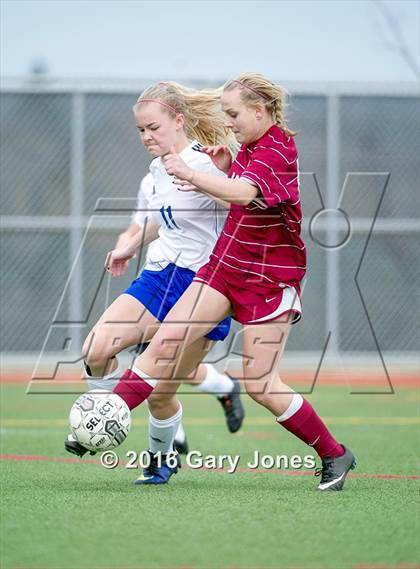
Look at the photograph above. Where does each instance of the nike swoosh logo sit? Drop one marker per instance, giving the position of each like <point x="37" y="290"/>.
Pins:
<point x="156" y="439"/>
<point x="328" y="484"/>
<point x="270" y="299"/>
<point x="315" y="441"/>
<point x="143" y="477"/>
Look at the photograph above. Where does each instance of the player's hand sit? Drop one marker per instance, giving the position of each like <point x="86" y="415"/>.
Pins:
<point x="117" y="261"/>
<point x="175" y="166"/>
<point x="184" y="186"/>
<point x="220" y="156"/>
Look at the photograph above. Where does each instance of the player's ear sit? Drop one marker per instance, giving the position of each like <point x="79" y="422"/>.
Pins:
<point x="259" y="111"/>
<point x="179" y="121"/>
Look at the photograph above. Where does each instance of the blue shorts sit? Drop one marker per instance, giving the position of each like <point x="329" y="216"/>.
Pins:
<point x="158" y="291"/>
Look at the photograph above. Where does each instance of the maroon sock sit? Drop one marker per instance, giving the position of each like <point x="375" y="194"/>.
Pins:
<point x="309" y="428"/>
<point x="133" y="389"/>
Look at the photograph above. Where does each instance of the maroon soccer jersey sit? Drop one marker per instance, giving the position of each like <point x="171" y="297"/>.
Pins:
<point x="261" y="242"/>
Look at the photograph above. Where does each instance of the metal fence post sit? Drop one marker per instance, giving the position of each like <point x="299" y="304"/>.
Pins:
<point x="332" y="261"/>
<point x="76" y="216"/>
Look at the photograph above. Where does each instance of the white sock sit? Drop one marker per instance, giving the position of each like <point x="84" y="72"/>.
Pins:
<point x="162" y="432"/>
<point x="180" y="434"/>
<point x="107" y="382"/>
<point x="295" y="404"/>
<point x="216" y="383"/>
<point x="144" y="376"/>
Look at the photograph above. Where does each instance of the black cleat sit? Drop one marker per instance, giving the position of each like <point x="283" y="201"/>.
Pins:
<point x="181" y="448"/>
<point x="73" y="447"/>
<point x="233" y="408"/>
<point x="334" y="470"/>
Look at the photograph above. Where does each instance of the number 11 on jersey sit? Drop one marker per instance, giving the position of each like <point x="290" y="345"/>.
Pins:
<point x="168" y="212"/>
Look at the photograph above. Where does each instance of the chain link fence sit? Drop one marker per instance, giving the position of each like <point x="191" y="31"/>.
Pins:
<point x="62" y="152"/>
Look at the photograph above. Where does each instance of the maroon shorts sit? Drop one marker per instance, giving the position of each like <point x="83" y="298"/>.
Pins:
<point x="252" y="304"/>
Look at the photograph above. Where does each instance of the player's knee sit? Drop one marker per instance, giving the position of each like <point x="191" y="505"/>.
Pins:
<point x="159" y="401"/>
<point x="257" y="391"/>
<point x="259" y="398"/>
<point x="98" y="351"/>
<point x="86" y="345"/>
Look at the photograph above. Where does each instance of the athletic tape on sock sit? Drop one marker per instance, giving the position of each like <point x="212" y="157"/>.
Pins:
<point x="295" y="405"/>
<point x="145" y="377"/>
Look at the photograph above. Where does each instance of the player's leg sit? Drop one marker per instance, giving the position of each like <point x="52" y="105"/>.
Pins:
<point x="263" y="347"/>
<point x="126" y="322"/>
<point x="198" y="311"/>
<point x="207" y="379"/>
<point x="226" y="390"/>
<point x="179" y="348"/>
<point x="221" y="385"/>
<point x="165" y="414"/>
<point x="162" y="433"/>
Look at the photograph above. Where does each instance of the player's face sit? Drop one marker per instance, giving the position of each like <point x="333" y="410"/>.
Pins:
<point x="158" y="129"/>
<point x="240" y="118"/>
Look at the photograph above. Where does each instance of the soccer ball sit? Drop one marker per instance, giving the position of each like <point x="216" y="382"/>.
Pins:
<point x="100" y="420"/>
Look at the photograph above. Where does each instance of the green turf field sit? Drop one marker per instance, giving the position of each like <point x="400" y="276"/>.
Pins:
<point x="72" y="515"/>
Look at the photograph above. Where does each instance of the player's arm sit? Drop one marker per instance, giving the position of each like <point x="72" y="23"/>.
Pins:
<point x="142" y="237"/>
<point x="122" y="240"/>
<point x="125" y="236"/>
<point x="216" y="169"/>
<point x="225" y="204"/>
<point x="128" y="244"/>
<point x="142" y="231"/>
<point x="233" y="191"/>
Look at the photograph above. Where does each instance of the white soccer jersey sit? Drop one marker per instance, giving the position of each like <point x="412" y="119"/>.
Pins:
<point x="190" y="222"/>
<point x="141" y="213"/>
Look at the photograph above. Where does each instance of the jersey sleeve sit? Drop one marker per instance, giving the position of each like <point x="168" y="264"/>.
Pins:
<point x="275" y="174"/>
<point x="140" y="214"/>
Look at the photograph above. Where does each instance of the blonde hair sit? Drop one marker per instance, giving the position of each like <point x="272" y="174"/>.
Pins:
<point x="256" y="88"/>
<point x="203" y="117"/>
